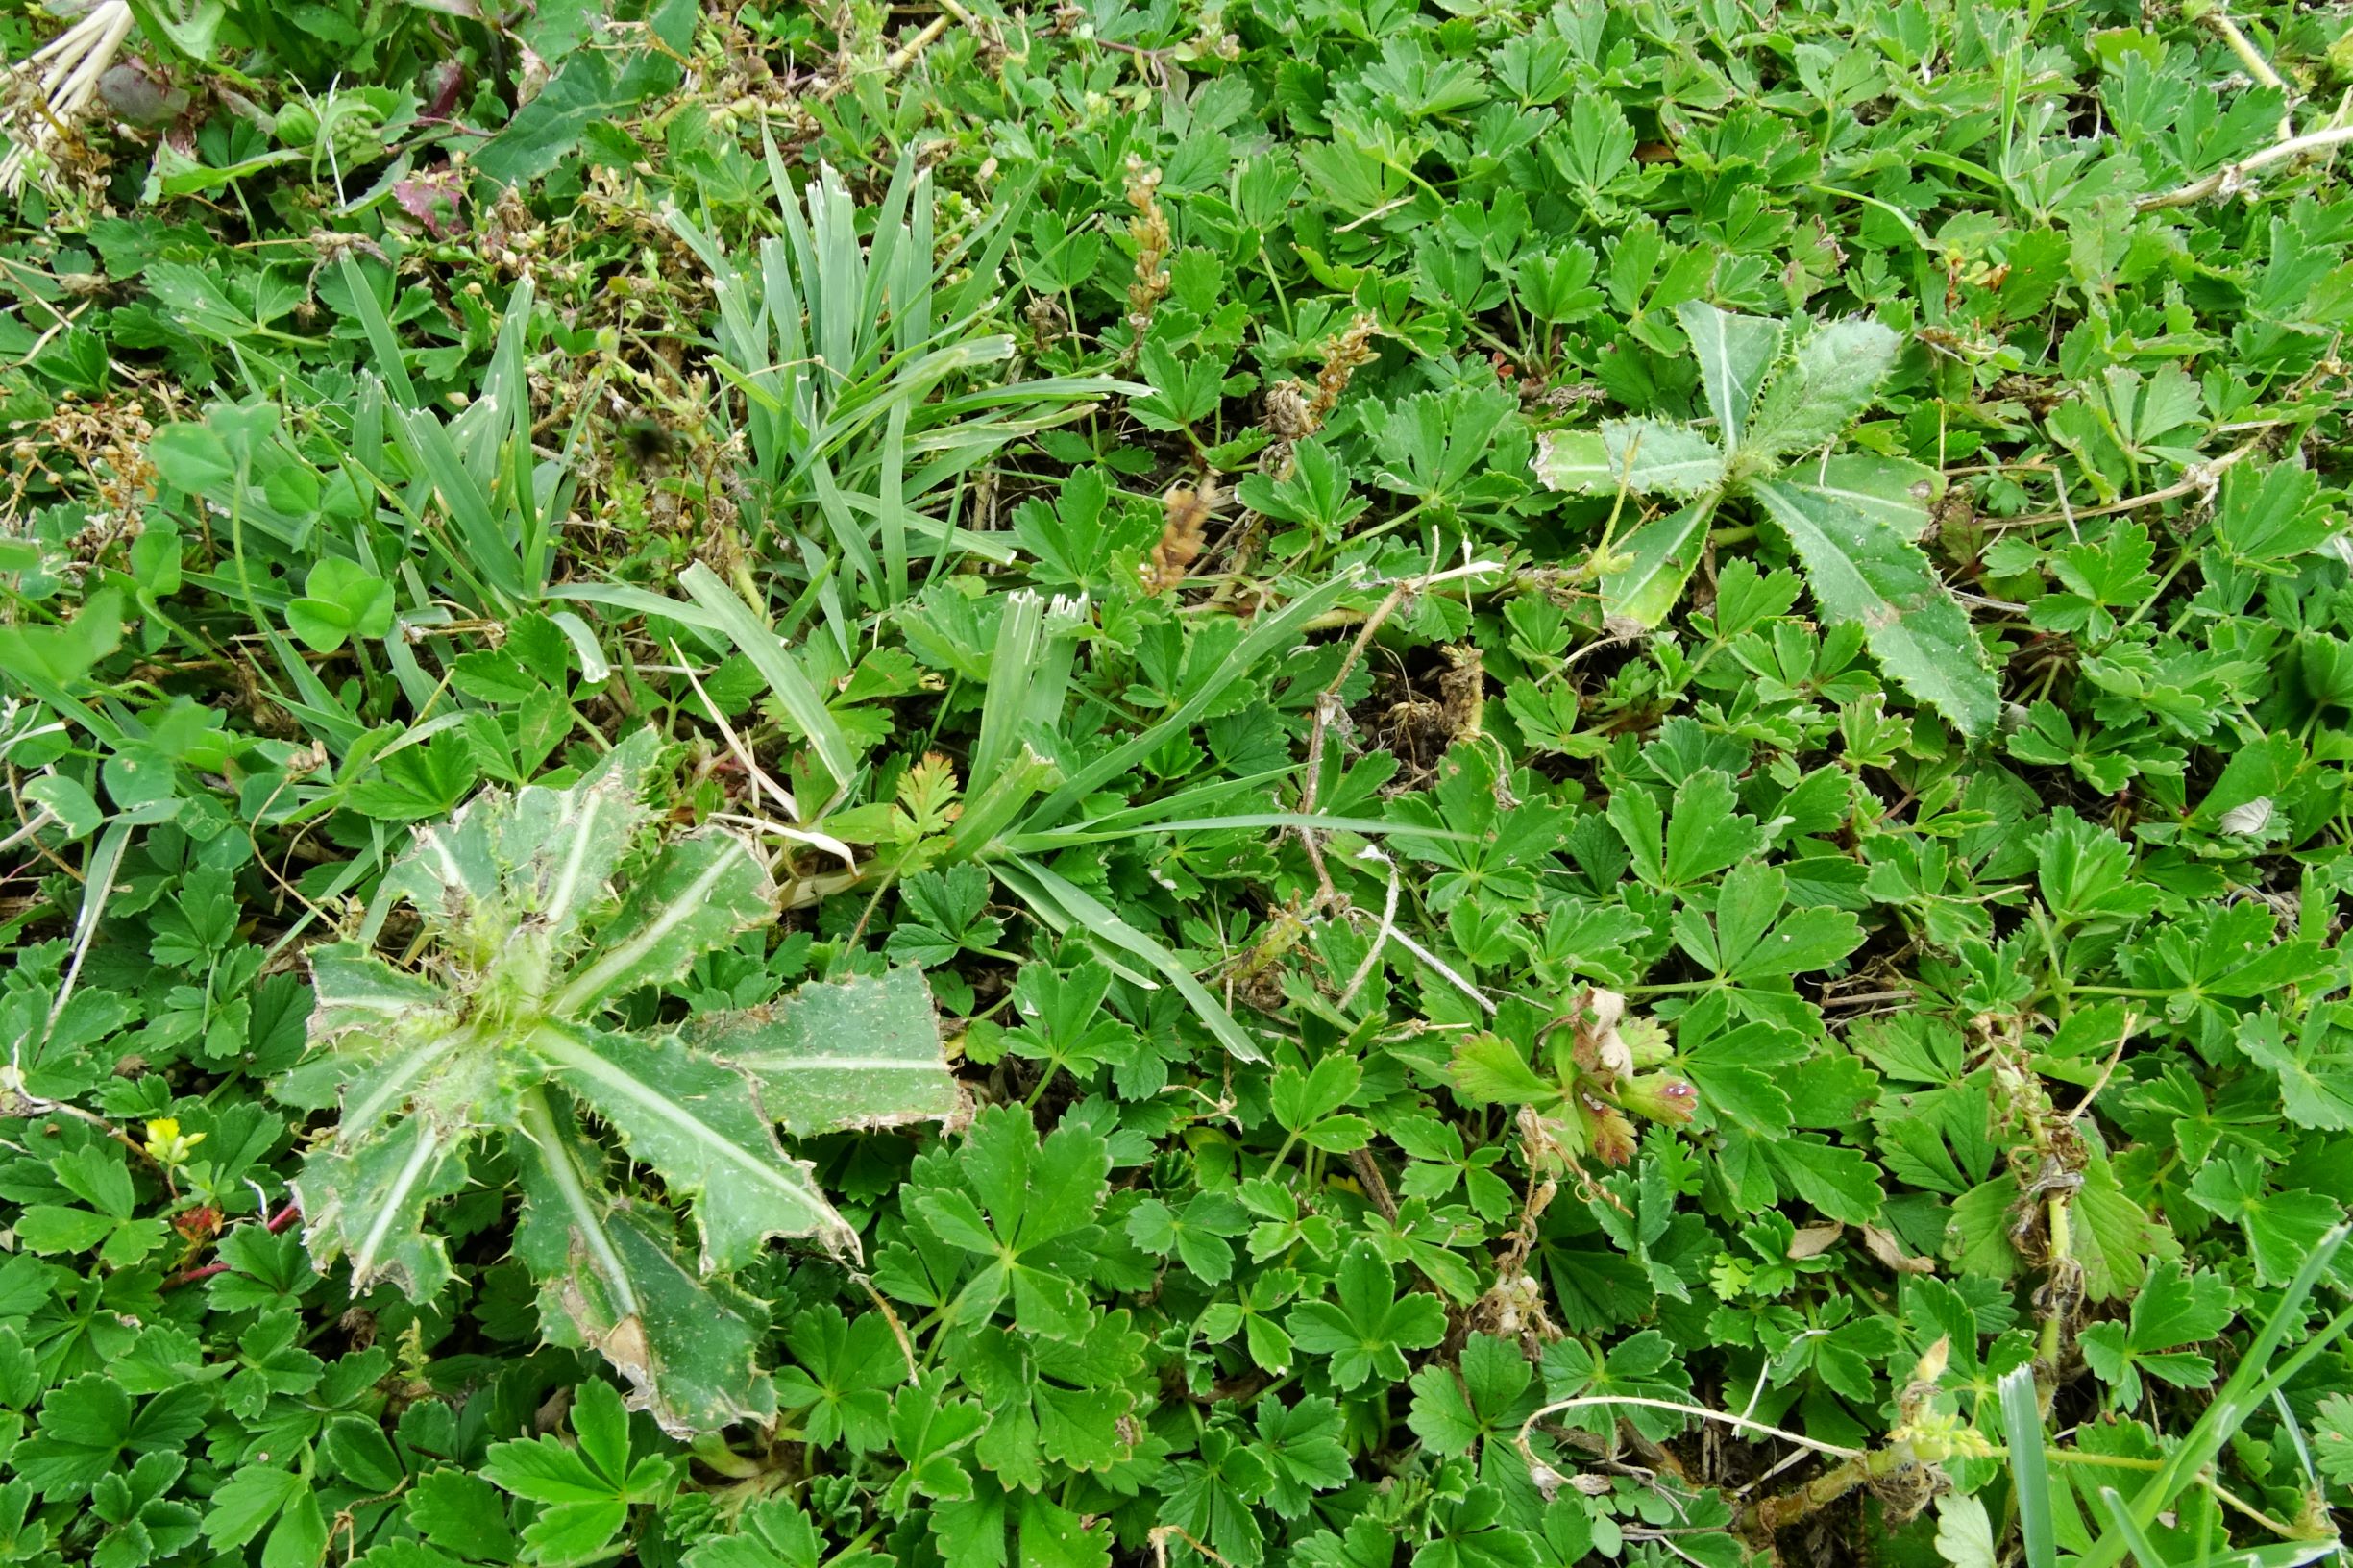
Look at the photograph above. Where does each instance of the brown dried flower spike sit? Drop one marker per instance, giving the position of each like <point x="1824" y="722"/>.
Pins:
<point x="1187" y="510"/>
<point x="1149" y="229"/>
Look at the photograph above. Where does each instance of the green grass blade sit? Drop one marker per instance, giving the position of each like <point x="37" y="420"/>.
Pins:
<point x="776" y="662"/>
<point x="1061" y="905"/>
<point x="622" y="596"/>
<point x="383" y="341"/>
<point x="1013" y="664"/>
<point x="2022" y="1426"/>
<point x="2249" y="1386"/>
<point x="848" y="534"/>
<point x="1282" y="629"/>
<point x="890" y="503"/>
<point x="2144" y="1550"/>
<point x="490" y="549"/>
<point x="1028" y="844"/>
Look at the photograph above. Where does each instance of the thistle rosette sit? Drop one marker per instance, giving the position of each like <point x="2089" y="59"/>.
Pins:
<point x="538" y="910"/>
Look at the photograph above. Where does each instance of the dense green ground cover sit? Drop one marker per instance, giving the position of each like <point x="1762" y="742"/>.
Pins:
<point x="1478" y="786"/>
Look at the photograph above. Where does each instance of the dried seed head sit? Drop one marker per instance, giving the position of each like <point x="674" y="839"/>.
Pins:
<point x="1149" y="230"/>
<point x="1343" y="357"/>
<point x="1185" y="509"/>
<point x="1288" y="413"/>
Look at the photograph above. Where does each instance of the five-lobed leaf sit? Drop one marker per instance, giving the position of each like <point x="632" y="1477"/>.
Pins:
<point x="1368" y="1328"/>
<point x="1033" y="1220"/>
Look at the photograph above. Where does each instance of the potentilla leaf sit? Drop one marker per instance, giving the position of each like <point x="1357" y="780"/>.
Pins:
<point x="2175" y="1308"/>
<point x="1368" y="1328"/>
<point x="584" y="1491"/>
<point x="1033" y="1223"/>
<point x="2315" y="1068"/>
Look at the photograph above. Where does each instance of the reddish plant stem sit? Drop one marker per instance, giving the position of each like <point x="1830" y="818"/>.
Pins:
<point x="276" y="1223"/>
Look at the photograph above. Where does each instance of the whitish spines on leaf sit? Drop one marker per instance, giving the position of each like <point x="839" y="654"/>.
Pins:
<point x="696" y="894"/>
<point x="862" y="1052"/>
<point x="561" y="846"/>
<point x="1864" y="568"/>
<point x="612" y="1278"/>
<point x="365" y="1199"/>
<point x="1826" y="387"/>
<point x="541" y="854"/>
<point x="354" y="991"/>
<point x="527" y="938"/>
<point x="1644" y="456"/>
<point x="699" y="1125"/>
<point x="1734" y="352"/>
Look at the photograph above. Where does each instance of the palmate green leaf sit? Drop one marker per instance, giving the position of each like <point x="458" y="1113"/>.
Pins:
<point x="1044" y="1535"/>
<point x="459" y="1511"/>
<point x="2281" y="1228"/>
<point x="1369" y="1328"/>
<point x="540" y="911"/>
<point x="2315" y="1069"/>
<point x="1208" y="1498"/>
<point x="773" y="1533"/>
<point x="248" y="1502"/>
<point x="1863" y="568"/>
<point x="845" y="1369"/>
<point x="2333" y="1438"/>
<point x="89" y="1425"/>
<point x="1964" y="1531"/>
<point x="1840" y="1181"/>
<point x="1482" y="1399"/>
<point x="2175" y="1307"/>
<point x="1488" y="1069"/>
<point x="1053" y="1403"/>
<point x="585" y="1490"/>
<point x="1304" y="1104"/>
<point x="927" y="1432"/>
<point x="1703" y="834"/>
<point x="1301" y="1447"/>
<point x="1033" y="1220"/>
<point x="1755" y="937"/>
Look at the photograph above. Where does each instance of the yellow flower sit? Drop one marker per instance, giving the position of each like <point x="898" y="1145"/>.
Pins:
<point x="166" y="1145"/>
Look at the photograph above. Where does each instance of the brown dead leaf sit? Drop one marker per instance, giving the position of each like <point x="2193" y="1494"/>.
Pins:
<point x="1888" y="1250"/>
<point x="1815" y="1240"/>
